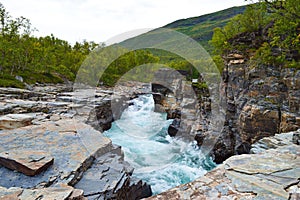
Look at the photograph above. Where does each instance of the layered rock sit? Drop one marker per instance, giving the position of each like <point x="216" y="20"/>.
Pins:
<point x="273" y="173"/>
<point x="52" y="143"/>
<point x="62" y="192"/>
<point x="261" y="101"/>
<point x="29" y="163"/>
<point x="73" y="145"/>
<point x="110" y="178"/>
<point x="12" y="121"/>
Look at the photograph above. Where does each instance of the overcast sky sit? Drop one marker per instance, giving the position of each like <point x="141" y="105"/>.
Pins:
<point x="99" y="20"/>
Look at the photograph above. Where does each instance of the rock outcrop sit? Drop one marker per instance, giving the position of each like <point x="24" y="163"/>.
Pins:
<point x="50" y="150"/>
<point x="272" y="173"/>
<point x="261" y="101"/>
<point x="110" y="178"/>
<point x="173" y="94"/>
<point x="73" y="145"/>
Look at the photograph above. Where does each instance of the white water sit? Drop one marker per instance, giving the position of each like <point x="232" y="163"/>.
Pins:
<point x="161" y="161"/>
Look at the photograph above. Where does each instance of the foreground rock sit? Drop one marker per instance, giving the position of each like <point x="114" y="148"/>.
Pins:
<point x="61" y="192"/>
<point x="47" y="142"/>
<point x="110" y="178"/>
<point x="29" y="163"/>
<point x="273" y="173"/>
<point x="72" y="144"/>
<point x="12" y="121"/>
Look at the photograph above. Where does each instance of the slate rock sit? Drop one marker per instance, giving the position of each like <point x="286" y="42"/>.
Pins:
<point x="29" y="163"/>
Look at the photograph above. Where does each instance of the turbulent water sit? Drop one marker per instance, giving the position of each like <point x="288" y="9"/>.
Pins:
<point x="161" y="161"/>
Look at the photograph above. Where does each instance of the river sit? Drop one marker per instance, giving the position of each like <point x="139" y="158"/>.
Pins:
<point x="160" y="160"/>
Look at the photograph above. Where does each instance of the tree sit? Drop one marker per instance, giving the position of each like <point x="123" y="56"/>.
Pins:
<point x="277" y="22"/>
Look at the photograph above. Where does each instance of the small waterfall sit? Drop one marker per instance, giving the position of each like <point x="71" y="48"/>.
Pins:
<point x="161" y="161"/>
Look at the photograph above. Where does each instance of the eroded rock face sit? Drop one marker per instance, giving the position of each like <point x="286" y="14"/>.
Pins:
<point x="273" y="173"/>
<point x="261" y="101"/>
<point x="174" y="95"/>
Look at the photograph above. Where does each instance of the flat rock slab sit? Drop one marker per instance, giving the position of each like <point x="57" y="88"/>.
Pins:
<point x="72" y="144"/>
<point x="29" y="163"/>
<point x="61" y="192"/>
<point x="103" y="178"/>
<point x="12" y="121"/>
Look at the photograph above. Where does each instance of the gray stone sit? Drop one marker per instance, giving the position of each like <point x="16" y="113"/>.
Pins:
<point x="29" y="163"/>
<point x="109" y="178"/>
<point x="61" y="192"/>
<point x="72" y="144"/>
<point x="12" y="121"/>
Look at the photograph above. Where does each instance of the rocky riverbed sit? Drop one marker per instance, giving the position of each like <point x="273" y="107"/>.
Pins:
<point x="50" y="150"/>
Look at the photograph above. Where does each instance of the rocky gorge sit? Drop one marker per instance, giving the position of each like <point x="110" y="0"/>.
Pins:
<point x="52" y="146"/>
<point x="261" y="101"/>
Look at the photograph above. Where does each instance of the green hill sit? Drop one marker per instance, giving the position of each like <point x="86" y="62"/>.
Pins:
<point x="201" y="28"/>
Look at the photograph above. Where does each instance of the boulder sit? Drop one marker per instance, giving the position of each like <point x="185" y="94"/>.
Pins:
<point x="174" y="127"/>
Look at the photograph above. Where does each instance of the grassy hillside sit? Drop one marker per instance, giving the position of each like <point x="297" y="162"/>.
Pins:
<point x="201" y="28"/>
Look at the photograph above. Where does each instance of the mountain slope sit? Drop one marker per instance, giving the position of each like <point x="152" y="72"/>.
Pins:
<point x="201" y="28"/>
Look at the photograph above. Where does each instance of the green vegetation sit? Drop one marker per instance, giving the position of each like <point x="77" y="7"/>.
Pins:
<point x="52" y="60"/>
<point x="127" y="62"/>
<point x="201" y="28"/>
<point x="43" y="60"/>
<point x="276" y="26"/>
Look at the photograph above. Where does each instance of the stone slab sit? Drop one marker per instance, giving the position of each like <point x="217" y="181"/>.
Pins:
<point x="29" y="163"/>
<point x="60" y="192"/>
<point x="72" y="144"/>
